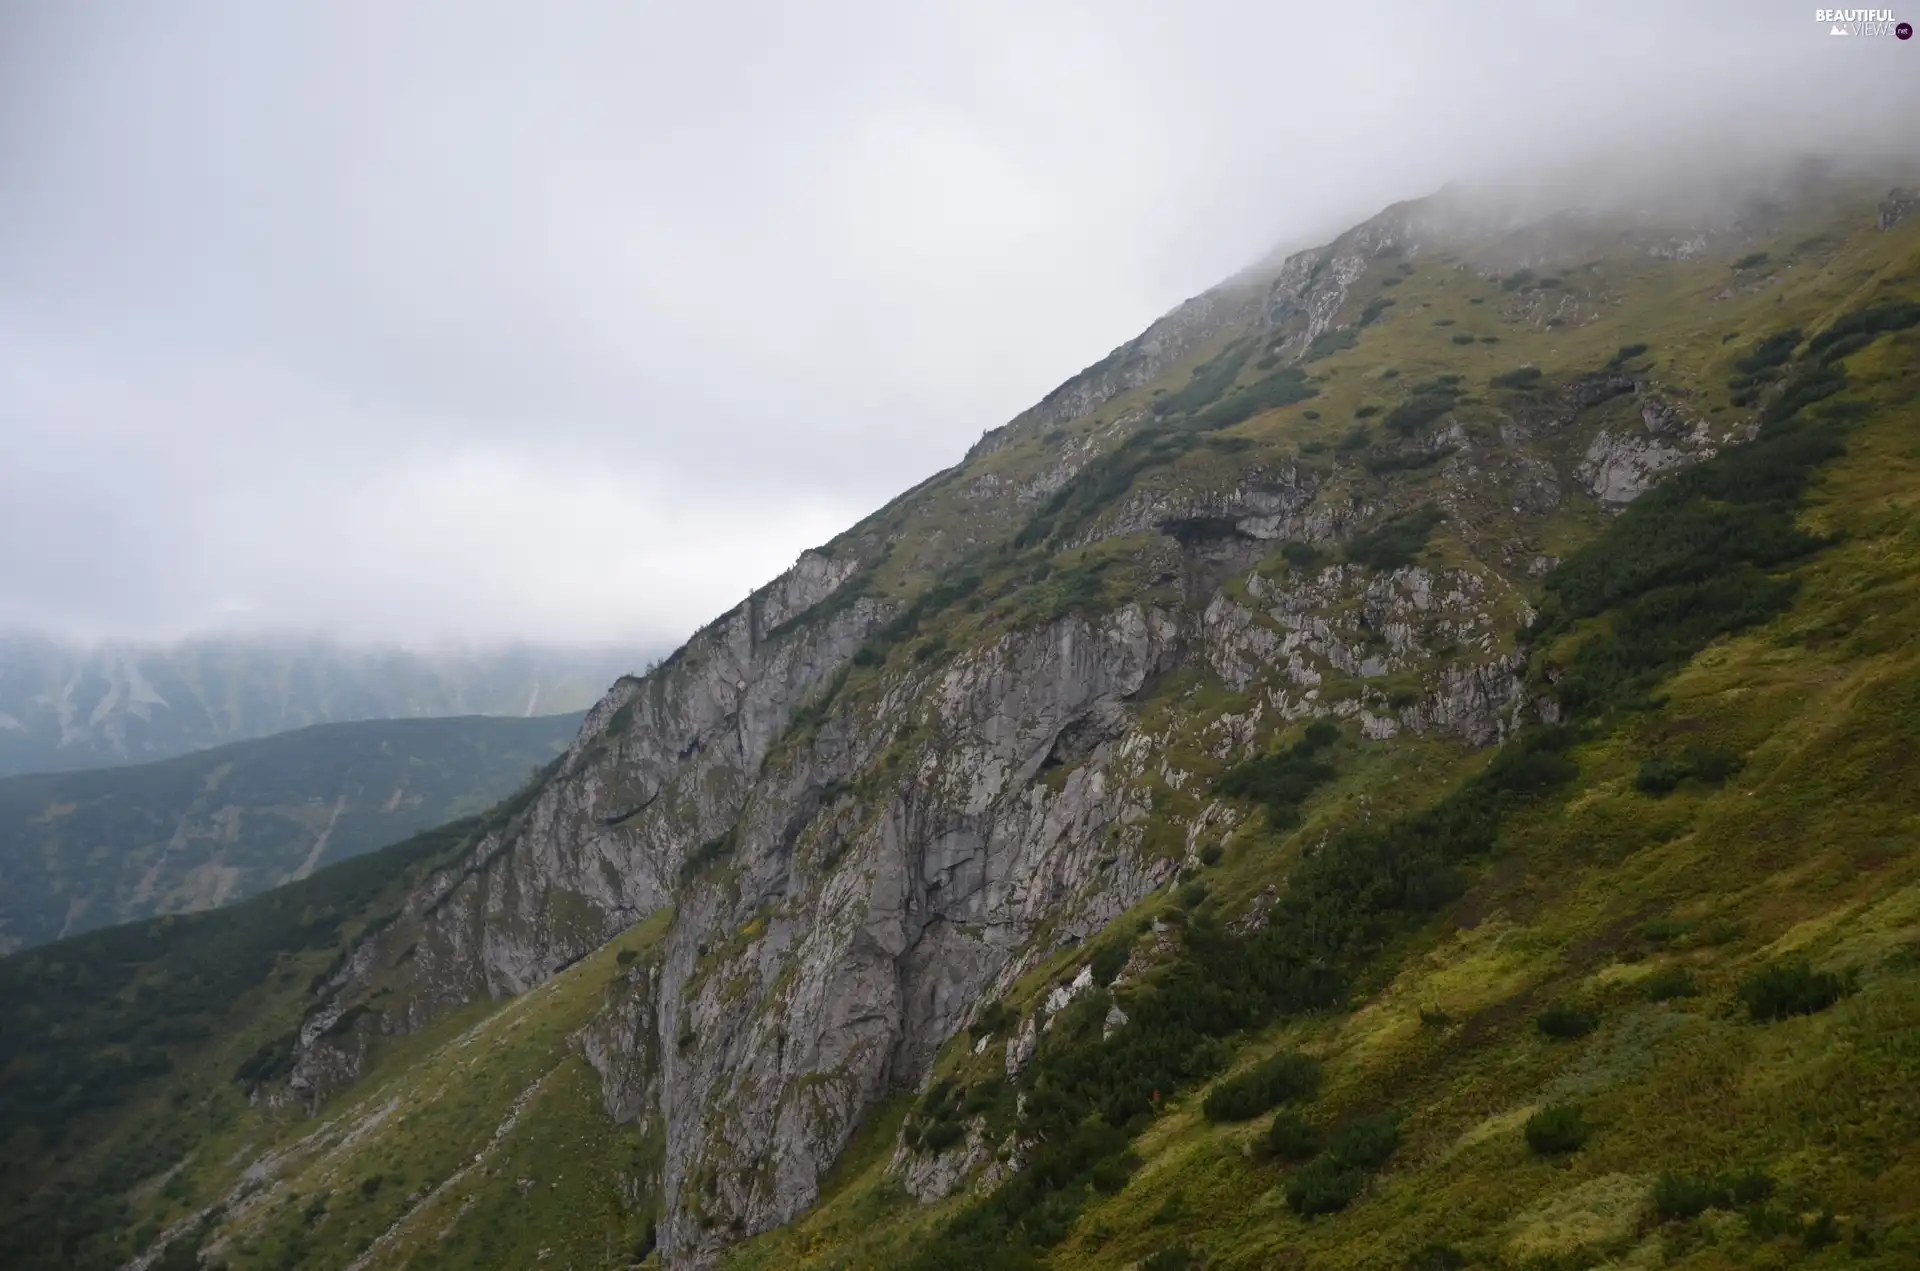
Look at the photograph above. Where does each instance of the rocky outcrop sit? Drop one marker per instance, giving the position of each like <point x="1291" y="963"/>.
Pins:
<point x="1897" y="206"/>
<point x="1622" y="464"/>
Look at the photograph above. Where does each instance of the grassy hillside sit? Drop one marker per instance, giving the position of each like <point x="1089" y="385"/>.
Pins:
<point x="1638" y="987"/>
<point x="87" y="849"/>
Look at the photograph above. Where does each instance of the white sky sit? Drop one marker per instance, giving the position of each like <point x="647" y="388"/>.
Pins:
<point x="575" y="321"/>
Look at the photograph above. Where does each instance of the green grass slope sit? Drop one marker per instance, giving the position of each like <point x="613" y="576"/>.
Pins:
<point x="86" y="849"/>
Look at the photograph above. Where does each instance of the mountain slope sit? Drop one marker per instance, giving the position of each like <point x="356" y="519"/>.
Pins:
<point x="82" y="850"/>
<point x="65" y="707"/>
<point x="1290" y="680"/>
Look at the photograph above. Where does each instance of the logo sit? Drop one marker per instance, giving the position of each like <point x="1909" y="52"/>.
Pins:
<point x="1862" y="22"/>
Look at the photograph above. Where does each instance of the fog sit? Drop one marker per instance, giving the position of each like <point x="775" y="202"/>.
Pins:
<point x="415" y="322"/>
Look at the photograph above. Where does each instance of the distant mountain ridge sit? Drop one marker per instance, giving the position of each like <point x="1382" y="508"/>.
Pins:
<point x="85" y="850"/>
<point x="65" y="707"/>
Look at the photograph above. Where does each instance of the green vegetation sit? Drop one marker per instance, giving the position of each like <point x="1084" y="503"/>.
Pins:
<point x="1660" y="775"/>
<point x="1290" y="1137"/>
<point x="1781" y="990"/>
<point x="1892" y="315"/>
<point x="1397" y="542"/>
<point x="1329" y="342"/>
<point x="1207" y="383"/>
<point x="1281" y="782"/>
<point x="1284" y="1078"/>
<point x="1680" y="1197"/>
<point x="98" y="1019"/>
<point x="1524" y="377"/>
<point x="1557" y="1129"/>
<point x="1565" y="1022"/>
<point x="1334" y="1179"/>
<point x="1380" y="465"/>
<point x="1672" y="983"/>
<point x="1690" y="561"/>
<point x="1283" y="388"/>
<point x="1303" y="555"/>
<point x="1423" y="404"/>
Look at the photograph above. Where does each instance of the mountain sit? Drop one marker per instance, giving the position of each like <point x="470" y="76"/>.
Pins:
<point x="86" y="849"/>
<point x="65" y="706"/>
<point x="1407" y="763"/>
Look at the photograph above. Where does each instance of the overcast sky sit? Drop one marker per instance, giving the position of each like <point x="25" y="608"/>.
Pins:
<point x="574" y="322"/>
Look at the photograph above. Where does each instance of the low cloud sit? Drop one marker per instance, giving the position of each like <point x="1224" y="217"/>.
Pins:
<point x="450" y="320"/>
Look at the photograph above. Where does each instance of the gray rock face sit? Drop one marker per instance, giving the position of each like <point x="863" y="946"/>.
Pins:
<point x="1620" y="466"/>
<point x="1897" y="206"/>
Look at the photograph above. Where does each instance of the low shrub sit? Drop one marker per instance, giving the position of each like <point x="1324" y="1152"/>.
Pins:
<point x="1283" y="781"/>
<point x="1463" y="337"/>
<point x="1303" y="555"/>
<point x="1288" y="1077"/>
<point x="1436" y="1257"/>
<point x="1405" y="460"/>
<point x="1291" y="1137"/>
<point x="993" y="1017"/>
<point x="1108" y="961"/>
<point x="1207" y="382"/>
<point x="1329" y="342"/>
<point x="1171" y="1258"/>
<point x="1564" y="1022"/>
<point x="1375" y="307"/>
<point x="1282" y="388"/>
<point x="1674" y="982"/>
<point x="1368" y="1142"/>
<point x="1783" y="989"/>
<point x="1678" y="1197"/>
<point x="1522" y="377"/>
<point x="1893" y="315"/>
<point x="1323" y="1186"/>
<point x="1822" y="1231"/>
<point x="1556" y="1129"/>
<point x="1767" y="353"/>
<point x="1394" y="543"/>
